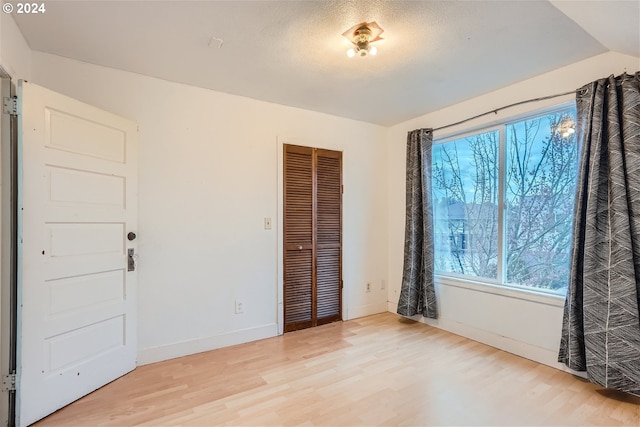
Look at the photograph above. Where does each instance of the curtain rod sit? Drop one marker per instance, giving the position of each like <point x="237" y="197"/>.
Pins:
<point x="495" y="111"/>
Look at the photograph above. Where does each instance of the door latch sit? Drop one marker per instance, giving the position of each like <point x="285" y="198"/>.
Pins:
<point x="131" y="262"/>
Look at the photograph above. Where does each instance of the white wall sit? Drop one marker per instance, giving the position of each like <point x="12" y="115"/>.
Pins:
<point x="15" y="54"/>
<point x="524" y="324"/>
<point x="208" y="176"/>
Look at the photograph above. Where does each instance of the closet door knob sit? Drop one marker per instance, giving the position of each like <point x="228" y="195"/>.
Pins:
<point x="131" y="236"/>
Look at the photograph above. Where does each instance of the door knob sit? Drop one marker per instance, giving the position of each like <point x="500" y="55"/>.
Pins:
<point x="299" y="247"/>
<point x="131" y="236"/>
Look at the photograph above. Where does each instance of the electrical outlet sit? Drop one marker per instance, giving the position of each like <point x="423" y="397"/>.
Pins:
<point x="267" y="223"/>
<point x="368" y="287"/>
<point x="239" y="306"/>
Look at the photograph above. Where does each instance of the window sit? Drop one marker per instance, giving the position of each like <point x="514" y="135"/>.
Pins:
<point x="507" y="221"/>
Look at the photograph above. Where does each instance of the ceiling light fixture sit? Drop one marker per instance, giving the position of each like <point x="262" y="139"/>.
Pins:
<point x="361" y="36"/>
<point x="566" y="127"/>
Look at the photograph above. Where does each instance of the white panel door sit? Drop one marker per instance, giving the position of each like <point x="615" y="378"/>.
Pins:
<point x="77" y="299"/>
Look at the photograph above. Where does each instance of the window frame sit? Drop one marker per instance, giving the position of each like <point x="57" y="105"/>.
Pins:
<point x="499" y="285"/>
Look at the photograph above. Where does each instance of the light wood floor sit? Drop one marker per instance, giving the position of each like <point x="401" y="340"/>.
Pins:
<point x="378" y="370"/>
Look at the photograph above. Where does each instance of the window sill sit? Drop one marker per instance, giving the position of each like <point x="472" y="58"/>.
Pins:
<point x="504" y="291"/>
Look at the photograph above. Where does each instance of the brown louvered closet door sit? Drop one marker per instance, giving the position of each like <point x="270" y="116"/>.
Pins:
<point x="328" y="235"/>
<point x="298" y="238"/>
<point x="312" y="237"/>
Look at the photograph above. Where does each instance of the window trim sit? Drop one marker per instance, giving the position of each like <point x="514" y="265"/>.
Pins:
<point x="498" y="123"/>
<point x="533" y="295"/>
<point x="499" y="285"/>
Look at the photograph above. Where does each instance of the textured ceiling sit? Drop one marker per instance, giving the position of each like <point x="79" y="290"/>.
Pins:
<point x="434" y="53"/>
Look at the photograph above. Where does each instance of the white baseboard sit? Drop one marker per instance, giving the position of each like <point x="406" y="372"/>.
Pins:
<point x="519" y="348"/>
<point x="366" y="310"/>
<point x="185" y="348"/>
<point x="392" y="307"/>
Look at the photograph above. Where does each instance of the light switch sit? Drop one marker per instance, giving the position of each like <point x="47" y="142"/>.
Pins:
<point x="267" y="223"/>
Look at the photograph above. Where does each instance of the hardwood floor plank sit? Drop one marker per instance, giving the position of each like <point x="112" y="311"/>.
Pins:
<point x="377" y="370"/>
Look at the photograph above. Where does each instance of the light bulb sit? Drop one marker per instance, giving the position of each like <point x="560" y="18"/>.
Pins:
<point x="351" y="53"/>
<point x="373" y="50"/>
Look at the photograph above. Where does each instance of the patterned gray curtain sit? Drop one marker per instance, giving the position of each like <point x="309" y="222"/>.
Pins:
<point x="417" y="295"/>
<point x="601" y="325"/>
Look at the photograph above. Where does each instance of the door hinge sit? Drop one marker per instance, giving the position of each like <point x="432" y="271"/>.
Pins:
<point x="341" y="284"/>
<point x="10" y="105"/>
<point x="9" y="382"/>
<point x="342" y="189"/>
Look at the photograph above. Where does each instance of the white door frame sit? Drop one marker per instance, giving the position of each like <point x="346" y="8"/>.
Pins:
<point x="7" y="246"/>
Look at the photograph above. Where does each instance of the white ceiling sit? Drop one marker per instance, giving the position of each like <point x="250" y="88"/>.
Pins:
<point x="434" y="53"/>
